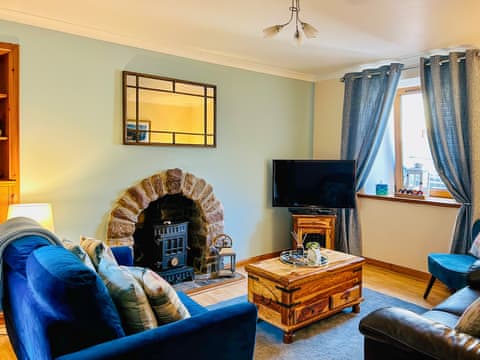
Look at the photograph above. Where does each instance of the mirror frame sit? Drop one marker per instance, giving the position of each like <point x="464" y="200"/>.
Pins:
<point x="137" y="87"/>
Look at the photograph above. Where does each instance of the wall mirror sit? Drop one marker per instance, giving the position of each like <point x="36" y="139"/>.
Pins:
<point x="164" y="111"/>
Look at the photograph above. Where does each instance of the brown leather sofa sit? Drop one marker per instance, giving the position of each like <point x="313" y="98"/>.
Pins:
<point x="398" y="334"/>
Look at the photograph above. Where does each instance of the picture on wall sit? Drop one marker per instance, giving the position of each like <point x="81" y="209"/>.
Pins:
<point x="143" y="131"/>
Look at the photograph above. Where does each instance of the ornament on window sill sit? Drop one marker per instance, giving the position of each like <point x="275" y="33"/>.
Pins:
<point x="410" y="194"/>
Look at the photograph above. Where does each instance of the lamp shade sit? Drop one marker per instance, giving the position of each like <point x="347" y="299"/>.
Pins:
<point x="41" y="213"/>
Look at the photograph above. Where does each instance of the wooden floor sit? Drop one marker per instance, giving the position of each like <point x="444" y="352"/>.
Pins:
<point x="405" y="287"/>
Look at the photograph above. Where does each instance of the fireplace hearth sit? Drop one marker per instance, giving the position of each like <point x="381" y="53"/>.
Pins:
<point x="146" y="213"/>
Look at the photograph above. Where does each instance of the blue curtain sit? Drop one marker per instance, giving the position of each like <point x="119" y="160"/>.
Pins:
<point x="367" y="103"/>
<point x="448" y="100"/>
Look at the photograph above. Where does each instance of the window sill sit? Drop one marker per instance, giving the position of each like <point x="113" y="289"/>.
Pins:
<point x="432" y="201"/>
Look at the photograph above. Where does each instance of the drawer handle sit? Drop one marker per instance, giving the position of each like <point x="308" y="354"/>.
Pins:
<point x="263" y="300"/>
<point x="346" y="295"/>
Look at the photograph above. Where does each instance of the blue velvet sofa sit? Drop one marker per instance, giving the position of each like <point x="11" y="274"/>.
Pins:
<point x="57" y="308"/>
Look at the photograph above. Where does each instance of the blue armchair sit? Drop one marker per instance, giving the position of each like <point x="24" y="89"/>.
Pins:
<point x="451" y="269"/>
<point x="57" y="308"/>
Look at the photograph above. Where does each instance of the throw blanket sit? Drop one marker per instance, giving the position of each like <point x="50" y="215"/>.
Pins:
<point x="16" y="228"/>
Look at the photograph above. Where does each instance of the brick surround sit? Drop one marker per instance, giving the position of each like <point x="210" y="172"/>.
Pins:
<point x="131" y="204"/>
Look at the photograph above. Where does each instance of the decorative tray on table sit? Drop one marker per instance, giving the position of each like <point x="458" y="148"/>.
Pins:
<point x="299" y="257"/>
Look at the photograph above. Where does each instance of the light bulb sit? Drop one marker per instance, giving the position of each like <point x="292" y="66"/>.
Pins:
<point x="298" y="37"/>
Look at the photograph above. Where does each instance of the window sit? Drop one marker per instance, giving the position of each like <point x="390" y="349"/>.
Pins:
<point x="414" y="168"/>
<point x="404" y="159"/>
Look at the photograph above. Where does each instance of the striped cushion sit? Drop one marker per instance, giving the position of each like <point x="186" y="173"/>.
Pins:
<point x="162" y="297"/>
<point x="128" y="296"/>
<point x="469" y="322"/>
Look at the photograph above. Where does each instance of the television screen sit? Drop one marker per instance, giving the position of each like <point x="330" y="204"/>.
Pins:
<point x="314" y="183"/>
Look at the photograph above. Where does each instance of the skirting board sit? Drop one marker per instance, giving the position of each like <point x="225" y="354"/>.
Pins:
<point x="398" y="268"/>
<point x="258" y="258"/>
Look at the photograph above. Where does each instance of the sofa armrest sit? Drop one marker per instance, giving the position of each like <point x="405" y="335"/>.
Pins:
<point x="408" y="331"/>
<point x="223" y="334"/>
<point x="123" y="255"/>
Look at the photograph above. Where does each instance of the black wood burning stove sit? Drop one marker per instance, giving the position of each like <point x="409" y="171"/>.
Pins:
<point x="170" y="251"/>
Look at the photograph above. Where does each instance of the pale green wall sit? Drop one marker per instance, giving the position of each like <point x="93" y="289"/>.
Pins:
<point x="71" y="151"/>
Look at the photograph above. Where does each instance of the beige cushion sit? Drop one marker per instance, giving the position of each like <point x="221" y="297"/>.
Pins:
<point x="79" y="252"/>
<point x="163" y="299"/>
<point x="128" y="296"/>
<point x="469" y="322"/>
<point x="96" y="250"/>
<point x="475" y="248"/>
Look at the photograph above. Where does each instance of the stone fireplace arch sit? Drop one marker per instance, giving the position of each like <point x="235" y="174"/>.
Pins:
<point x="124" y="215"/>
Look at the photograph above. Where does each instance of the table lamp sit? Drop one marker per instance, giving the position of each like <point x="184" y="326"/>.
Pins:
<point x="41" y="213"/>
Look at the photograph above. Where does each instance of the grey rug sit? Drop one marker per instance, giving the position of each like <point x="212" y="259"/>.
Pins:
<point x="334" y="338"/>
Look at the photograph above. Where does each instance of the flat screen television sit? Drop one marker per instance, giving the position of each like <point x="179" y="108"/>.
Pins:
<point x="321" y="184"/>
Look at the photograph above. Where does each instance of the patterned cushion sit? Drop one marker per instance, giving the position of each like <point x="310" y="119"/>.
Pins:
<point x="162" y="297"/>
<point x="79" y="252"/>
<point x="128" y="296"/>
<point x="96" y="250"/>
<point x="475" y="248"/>
<point x="469" y="322"/>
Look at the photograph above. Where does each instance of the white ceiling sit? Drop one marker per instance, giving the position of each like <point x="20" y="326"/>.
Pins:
<point x="351" y="32"/>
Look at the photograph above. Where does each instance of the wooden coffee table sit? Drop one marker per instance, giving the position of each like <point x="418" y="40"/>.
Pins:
<point x="291" y="297"/>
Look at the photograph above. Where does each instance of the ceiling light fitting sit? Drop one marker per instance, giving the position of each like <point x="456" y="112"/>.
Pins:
<point x="306" y="28"/>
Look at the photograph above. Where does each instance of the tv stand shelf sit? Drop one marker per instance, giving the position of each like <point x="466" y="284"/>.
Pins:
<point x="315" y="224"/>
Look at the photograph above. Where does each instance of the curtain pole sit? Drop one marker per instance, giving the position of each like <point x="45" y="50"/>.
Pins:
<point x="342" y="79"/>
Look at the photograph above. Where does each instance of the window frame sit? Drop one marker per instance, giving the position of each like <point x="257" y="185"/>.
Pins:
<point x="397" y="119"/>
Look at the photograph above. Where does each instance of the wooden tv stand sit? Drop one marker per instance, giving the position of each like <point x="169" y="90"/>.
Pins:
<point x="315" y="224"/>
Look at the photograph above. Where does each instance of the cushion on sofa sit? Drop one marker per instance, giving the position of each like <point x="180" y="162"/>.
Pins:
<point x="475" y="248"/>
<point x="469" y="322"/>
<point x="17" y="252"/>
<point x="163" y="299"/>
<point x="97" y="250"/>
<point x="129" y="297"/>
<point x="79" y="252"/>
<point x="76" y="307"/>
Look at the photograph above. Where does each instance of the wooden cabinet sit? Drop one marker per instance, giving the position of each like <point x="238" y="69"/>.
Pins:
<point x="9" y="137"/>
<point x="315" y="224"/>
<point x="8" y="195"/>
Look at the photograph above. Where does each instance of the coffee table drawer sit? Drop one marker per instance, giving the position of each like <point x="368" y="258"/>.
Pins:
<point x="310" y="311"/>
<point x="344" y="297"/>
